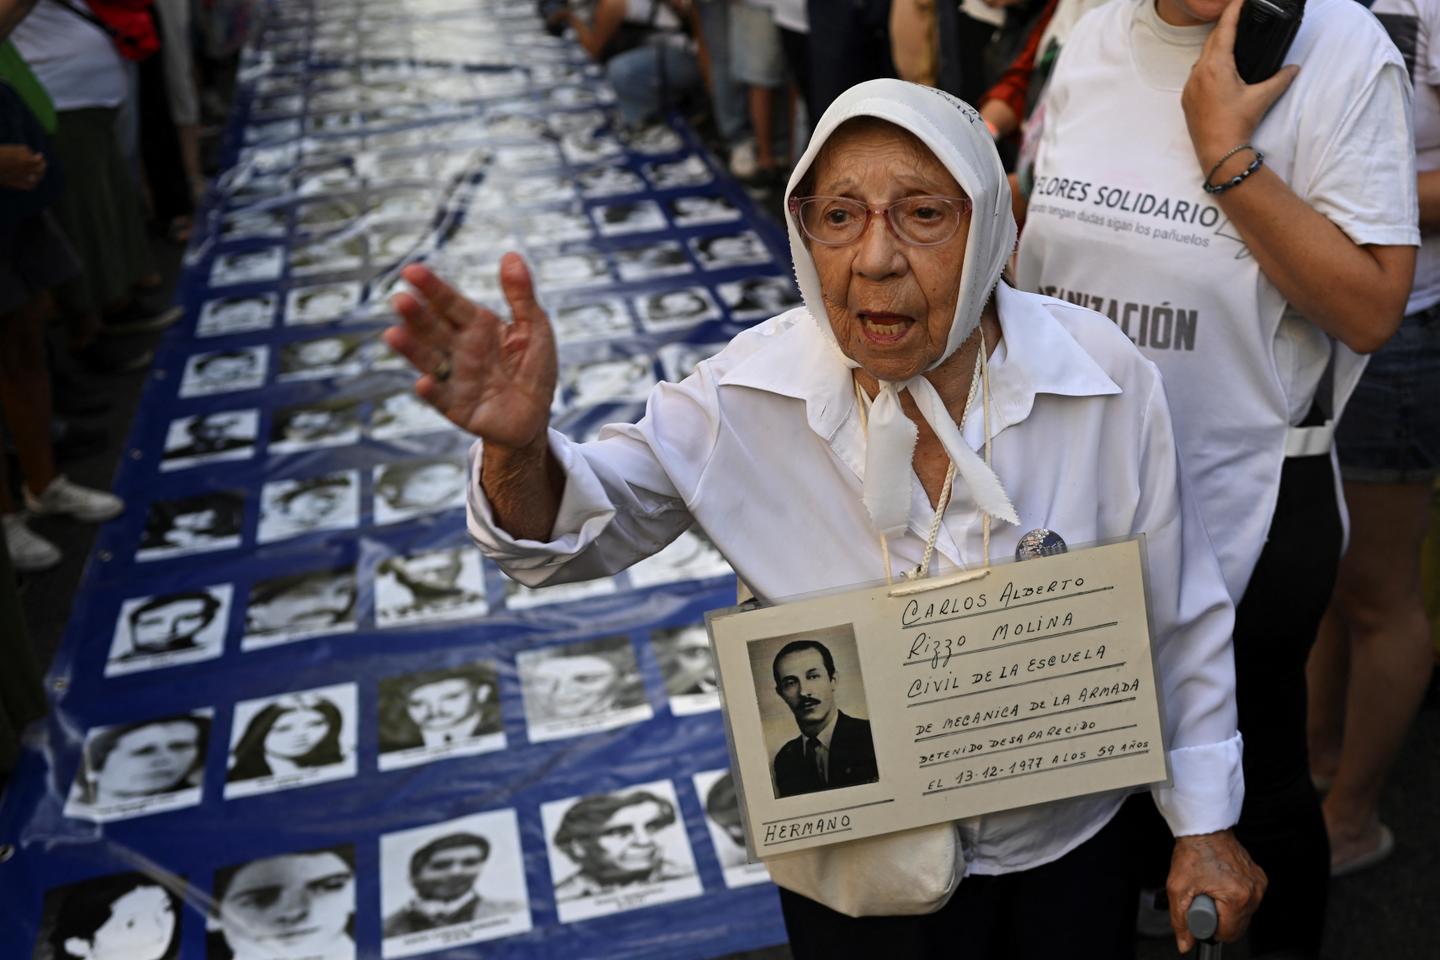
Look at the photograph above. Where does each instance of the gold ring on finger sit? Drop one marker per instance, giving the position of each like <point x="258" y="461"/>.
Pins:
<point x="441" y="373"/>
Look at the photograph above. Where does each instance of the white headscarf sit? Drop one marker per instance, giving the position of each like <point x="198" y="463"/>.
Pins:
<point x="957" y="136"/>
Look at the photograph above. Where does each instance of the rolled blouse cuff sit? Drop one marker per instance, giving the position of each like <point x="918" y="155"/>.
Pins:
<point x="585" y="511"/>
<point x="1207" y="788"/>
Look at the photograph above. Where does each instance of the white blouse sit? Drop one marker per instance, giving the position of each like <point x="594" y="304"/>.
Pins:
<point x="762" y="446"/>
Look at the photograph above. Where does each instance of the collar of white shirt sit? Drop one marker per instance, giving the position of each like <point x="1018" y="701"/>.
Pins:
<point x="1036" y="355"/>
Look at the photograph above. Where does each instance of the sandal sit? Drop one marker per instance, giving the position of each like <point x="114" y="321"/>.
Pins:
<point x="1384" y="846"/>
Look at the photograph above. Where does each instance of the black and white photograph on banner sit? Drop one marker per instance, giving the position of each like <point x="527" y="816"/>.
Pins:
<point x="528" y="190"/>
<point x="403" y="414"/>
<point x="322" y="303"/>
<point x="341" y="355"/>
<point x="654" y="140"/>
<point x="554" y="226"/>
<point x="429" y="586"/>
<point x="236" y="315"/>
<point x="382" y="357"/>
<point x="716" y="790"/>
<point x="343" y="254"/>
<point x="563" y="271"/>
<point x="611" y="852"/>
<point x="287" y="906"/>
<point x="395" y="168"/>
<point x="666" y="311"/>
<point x="730" y="250"/>
<point x="698" y="209"/>
<point x="520" y="597"/>
<point x="326" y="214"/>
<point x="401" y="203"/>
<point x="598" y="319"/>
<point x="678" y="360"/>
<point x="140" y="768"/>
<point x="596" y="147"/>
<point x="170" y="629"/>
<point x="448" y="884"/>
<point x="210" y="438"/>
<point x="439" y="713"/>
<point x="576" y="121"/>
<point x="327" y="174"/>
<point x="392" y="242"/>
<point x="195" y="524"/>
<point x="123" y="916"/>
<point x="579" y="688"/>
<point x="688" y="667"/>
<point x="618" y="380"/>
<point x="224" y="371"/>
<point x="526" y="157"/>
<point x="297" y="606"/>
<point x="255" y="225"/>
<point x="619" y="219"/>
<point x="292" y="740"/>
<point x="609" y="181"/>
<point x="664" y="259"/>
<point x="812" y="711"/>
<point x="759" y="298"/>
<point x="407" y="489"/>
<point x="247" y="266"/>
<point x="302" y="505"/>
<point x="688" y="172"/>
<point x="310" y="426"/>
<point x="690" y="556"/>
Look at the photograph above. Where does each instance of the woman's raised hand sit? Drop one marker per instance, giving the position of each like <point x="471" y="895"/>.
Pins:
<point x="491" y="378"/>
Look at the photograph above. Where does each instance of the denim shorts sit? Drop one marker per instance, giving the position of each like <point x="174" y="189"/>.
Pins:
<point x="1390" y="432"/>
<point x="755" y="55"/>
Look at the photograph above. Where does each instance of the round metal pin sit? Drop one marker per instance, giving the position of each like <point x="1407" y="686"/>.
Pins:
<point x="1039" y="543"/>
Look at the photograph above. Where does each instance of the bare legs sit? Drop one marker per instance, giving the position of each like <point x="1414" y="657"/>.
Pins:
<point x="1372" y="661"/>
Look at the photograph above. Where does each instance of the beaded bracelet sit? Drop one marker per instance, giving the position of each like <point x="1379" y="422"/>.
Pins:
<point x="1235" y="181"/>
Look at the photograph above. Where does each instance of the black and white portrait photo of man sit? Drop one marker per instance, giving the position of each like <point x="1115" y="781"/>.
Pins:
<point x="716" y="790"/>
<point x="429" y="586"/>
<point x="412" y="488"/>
<point x="325" y="303"/>
<point x="299" y="605"/>
<point x="833" y="749"/>
<point x="581" y="687"/>
<point x="308" y="426"/>
<point x="590" y="320"/>
<point x="248" y="266"/>
<point x="170" y="629"/>
<point x="631" y="841"/>
<point x="133" y="769"/>
<point x="287" y="906"/>
<point x="126" y="916"/>
<point x="452" y="883"/>
<point x="209" y="438"/>
<point x="730" y="250"/>
<point x="292" y="508"/>
<point x="204" y="522"/>
<point x="225" y="371"/>
<point x="756" y="298"/>
<point x="619" y="219"/>
<point x="342" y="355"/>
<point x="439" y="713"/>
<point x="688" y="667"/>
<point x="698" y="209"/>
<point x="663" y="259"/>
<point x="236" y="315"/>
<point x="402" y="414"/>
<point x="609" y="181"/>
<point x="689" y="172"/>
<point x="668" y="310"/>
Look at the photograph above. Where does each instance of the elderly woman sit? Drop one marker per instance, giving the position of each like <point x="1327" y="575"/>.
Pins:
<point x="823" y="444"/>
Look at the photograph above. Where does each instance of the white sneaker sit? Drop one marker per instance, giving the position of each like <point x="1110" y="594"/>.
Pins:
<point x="743" y="163"/>
<point x="63" y="498"/>
<point x="29" y="552"/>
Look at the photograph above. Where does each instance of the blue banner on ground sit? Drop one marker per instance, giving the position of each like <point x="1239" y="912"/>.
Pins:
<point x="296" y="714"/>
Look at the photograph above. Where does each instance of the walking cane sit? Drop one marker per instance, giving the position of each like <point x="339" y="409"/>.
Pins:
<point x="1204" y="920"/>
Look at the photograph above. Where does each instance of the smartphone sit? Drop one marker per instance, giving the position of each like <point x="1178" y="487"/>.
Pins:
<point x="1263" y="36"/>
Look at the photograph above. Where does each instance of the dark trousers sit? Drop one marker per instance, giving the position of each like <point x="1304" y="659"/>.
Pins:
<point x="849" y="43"/>
<point x="1275" y="624"/>
<point x="1082" y="905"/>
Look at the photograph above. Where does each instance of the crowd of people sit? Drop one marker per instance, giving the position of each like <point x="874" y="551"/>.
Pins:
<point x="1254" y="241"/>
<point x="100" y="164"/>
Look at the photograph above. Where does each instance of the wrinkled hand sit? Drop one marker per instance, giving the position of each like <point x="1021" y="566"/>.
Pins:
<point x="1213" y="863"/>
<point x="20" y="167"/>
<point x="1221" y="110"/>
<point x="501" y="377"/>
